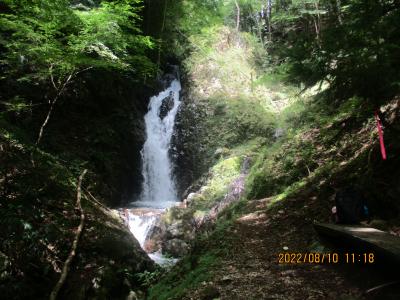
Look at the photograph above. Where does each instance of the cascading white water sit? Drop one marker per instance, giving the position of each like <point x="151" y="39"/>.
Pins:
<point x="158" y="186"/>
<point x="140" y="226"/>
<point x="158" y="190"/>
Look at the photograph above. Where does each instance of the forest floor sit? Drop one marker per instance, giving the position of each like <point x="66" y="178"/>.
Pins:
<point x="251" y="269"/>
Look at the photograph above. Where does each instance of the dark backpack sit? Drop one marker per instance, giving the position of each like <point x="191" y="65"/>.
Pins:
<point x="350" y="206"/>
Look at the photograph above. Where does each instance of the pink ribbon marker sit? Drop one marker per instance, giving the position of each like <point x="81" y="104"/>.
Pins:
<point x="380" y="131"/>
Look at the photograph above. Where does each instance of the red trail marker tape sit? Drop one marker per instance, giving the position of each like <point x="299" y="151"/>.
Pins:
<point x="380" y="132"/>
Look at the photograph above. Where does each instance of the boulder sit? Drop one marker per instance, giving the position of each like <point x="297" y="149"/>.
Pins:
<point x="175" y="230"/>
<point x="175" y="247"/>
<point x="155" y="237"/>
<point x="151" y="246"/>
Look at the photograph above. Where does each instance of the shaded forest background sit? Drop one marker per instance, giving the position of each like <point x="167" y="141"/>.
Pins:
<point x="76" y="76"/>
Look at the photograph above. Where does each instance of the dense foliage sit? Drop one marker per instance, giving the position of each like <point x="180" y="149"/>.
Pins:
<point x="49" y="43"/>
<point x="68" y="100"/>
<point x="351" y="44"/>
<point x="51" y="36"/>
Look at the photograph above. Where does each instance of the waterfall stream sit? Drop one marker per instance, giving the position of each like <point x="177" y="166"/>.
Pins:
<point x="158" y="186"/>
<point x="158" y="189"/>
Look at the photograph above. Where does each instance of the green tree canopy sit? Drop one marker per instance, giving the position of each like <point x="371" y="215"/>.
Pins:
<point x="46" y="36"/>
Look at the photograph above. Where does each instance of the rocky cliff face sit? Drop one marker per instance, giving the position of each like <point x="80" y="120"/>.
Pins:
<point x="100" y="120"/>
<point x="187" y="148"/>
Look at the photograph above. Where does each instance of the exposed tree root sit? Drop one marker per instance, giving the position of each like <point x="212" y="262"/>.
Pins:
<point x="92" y="199"/>
<point x="72" y="253"/>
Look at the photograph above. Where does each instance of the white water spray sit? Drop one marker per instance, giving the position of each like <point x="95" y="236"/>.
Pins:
<point x="158" y="190"/>
<point x="158" y="186"/>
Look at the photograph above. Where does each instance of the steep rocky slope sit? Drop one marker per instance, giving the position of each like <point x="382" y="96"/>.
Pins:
<point x="301" y="152"/>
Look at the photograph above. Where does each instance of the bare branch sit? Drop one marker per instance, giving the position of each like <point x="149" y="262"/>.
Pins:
<point x="52" y="77"/>
<point x="60" y="91"/>
<point x="81" y="71"/>
<point x="72" y="253"/>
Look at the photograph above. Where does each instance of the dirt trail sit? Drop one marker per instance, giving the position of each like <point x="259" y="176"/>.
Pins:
<point x="252" y="271"/>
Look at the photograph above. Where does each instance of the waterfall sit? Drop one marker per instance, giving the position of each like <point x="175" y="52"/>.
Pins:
<point x="158" y="189"/>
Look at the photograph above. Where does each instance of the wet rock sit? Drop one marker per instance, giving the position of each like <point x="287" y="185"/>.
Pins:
<point x="166" y="106"/>
<point x="175" y="247"/>
<point x="167" y="79"/>
<point x="155" y="237"/>
<point x="151" y="246"/>
<point x="188" y="158"/>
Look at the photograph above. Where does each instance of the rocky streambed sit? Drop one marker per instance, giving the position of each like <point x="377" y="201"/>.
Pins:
<point x="168" y="234"/>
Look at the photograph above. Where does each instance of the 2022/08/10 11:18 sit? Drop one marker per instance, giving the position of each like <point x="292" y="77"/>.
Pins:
<point x="366" y="258"/>
<point x="325" y="258"/>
